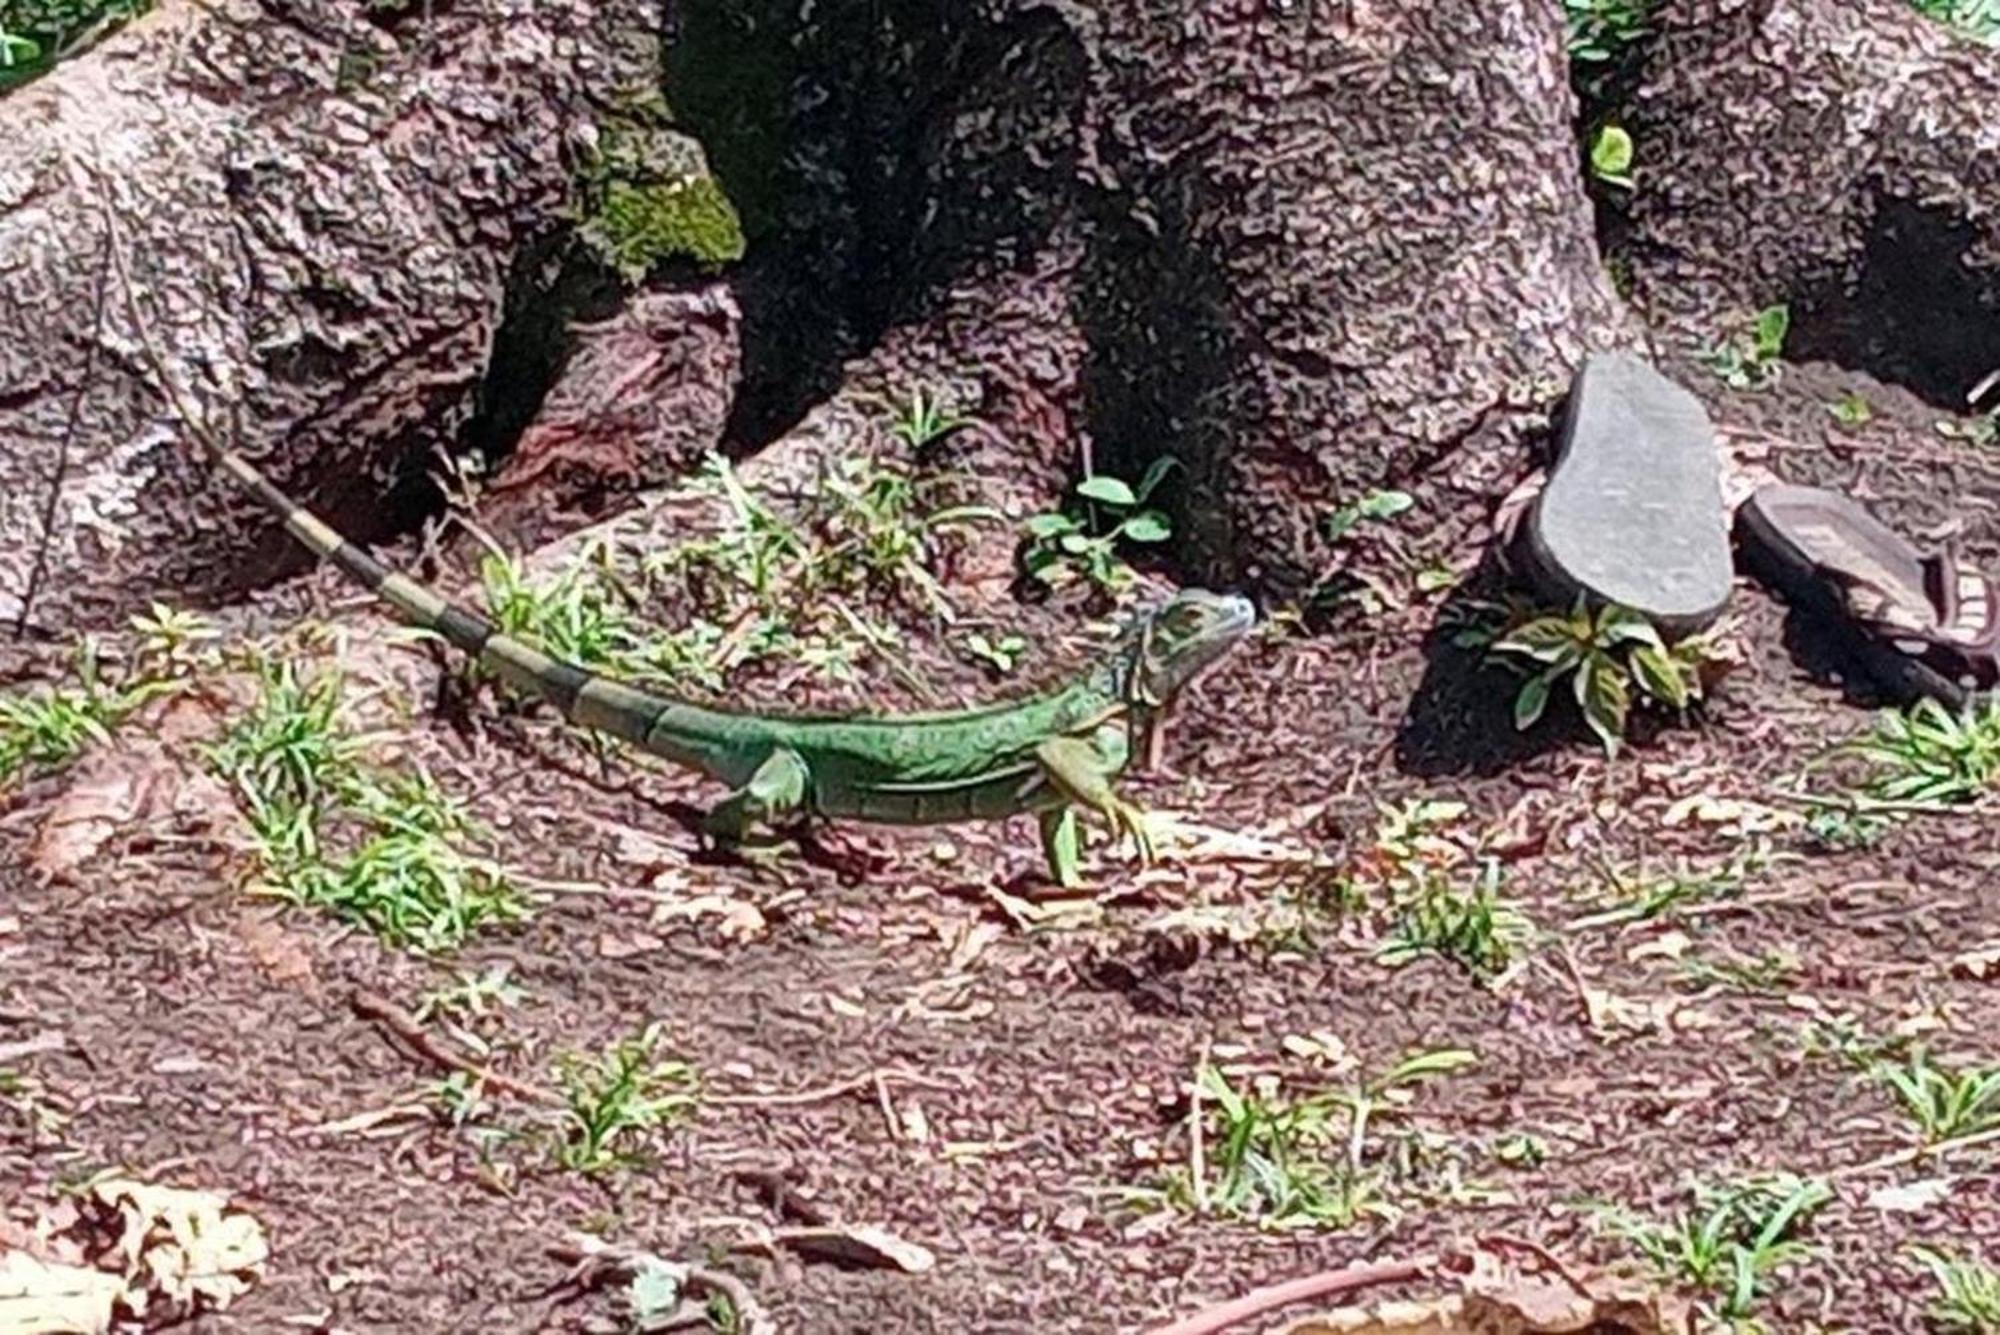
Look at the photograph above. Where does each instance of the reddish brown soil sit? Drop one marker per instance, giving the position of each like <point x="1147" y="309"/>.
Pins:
<point x="209" y="1034"/>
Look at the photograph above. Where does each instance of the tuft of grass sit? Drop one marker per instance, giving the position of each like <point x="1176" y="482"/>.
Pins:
<point x="296" y="767"/>
<point x="616" y="1098"/>
<point x="1927" y="755"/>
<point x="47" y="729"/>
<point x="766" y="587"/>
<point x="924" y="419"/>
<point x="1477" y="930"/>
<point x="1311" y="1162"/>
<point x="1968" y="1297"/>
<point x="1734" y="1240"/>
<point x="1944" y="1102"/>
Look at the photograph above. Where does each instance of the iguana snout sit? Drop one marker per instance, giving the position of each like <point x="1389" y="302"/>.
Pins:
<point x="1183" y="637"/>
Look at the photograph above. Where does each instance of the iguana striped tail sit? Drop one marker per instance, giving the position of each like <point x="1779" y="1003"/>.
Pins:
<point x="582" y="696"/>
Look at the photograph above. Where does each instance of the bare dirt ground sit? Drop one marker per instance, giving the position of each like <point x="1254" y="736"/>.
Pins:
<point x="998" y="1082"/>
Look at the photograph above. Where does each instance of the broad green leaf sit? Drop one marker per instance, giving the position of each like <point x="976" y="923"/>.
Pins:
<point x="1147" y="526"/>
<point x="1611" y="155"/>
<point x="1531" y="702"/>
<point x="1546" y="640"/>
<point x="1773" y="323"/>
<point x="1107" y="491"/>
<point x="1606" y="700"/>
<point x="1660" y="676"/>
<point x="1616" y="625"/>
<point x="1048" y="525"/>
<point x="1076" y="543"/>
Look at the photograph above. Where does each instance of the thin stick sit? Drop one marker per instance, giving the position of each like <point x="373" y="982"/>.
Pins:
<point x="399" y="1023"/>
<point x="1259" y="1301"/>
<point x="1916" y="1153"/>
<point x="823" y="1094"/>
<point x="41" y="566"/>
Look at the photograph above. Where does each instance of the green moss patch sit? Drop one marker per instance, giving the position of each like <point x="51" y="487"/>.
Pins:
<point x="635" y="226"/>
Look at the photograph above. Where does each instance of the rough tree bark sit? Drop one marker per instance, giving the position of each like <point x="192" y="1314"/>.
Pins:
<point x="321" y="201"/>
<point x="1307" y="249"/>
<point x="1842" y="157"/>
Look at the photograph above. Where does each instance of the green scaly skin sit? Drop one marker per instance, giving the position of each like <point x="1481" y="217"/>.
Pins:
<point x="1050" y="754"/>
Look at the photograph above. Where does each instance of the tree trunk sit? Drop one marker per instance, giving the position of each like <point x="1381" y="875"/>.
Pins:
<point x="320" y="204"/>
<point x="1844" y="158"/>
<point x="1307" y="250"/>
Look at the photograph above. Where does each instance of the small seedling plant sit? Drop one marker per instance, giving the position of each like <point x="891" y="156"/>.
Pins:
<point x="1315" y="1161"/>
<point x="1979" y="432"/>
<point x="1476" y="929"/>
<point x="1084" y="543"/>
<point x="35" y="35"/>
<point x="923" y="419"/>
<point x="1968" y="1292"/>
<point x="1608" y="656"/>
<point x="1733" y="1242"/>
<point x="617" y="1098"/>
<point x="1944" y="1103"/>
<point x="1928" y="756"/>
<point x="1852" y="410"/>
<point x="1752" y="358"/>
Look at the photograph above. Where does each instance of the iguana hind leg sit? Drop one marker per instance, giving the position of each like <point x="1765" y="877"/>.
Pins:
<point x="777" y="788"/>
<point x="1082" y="771"/>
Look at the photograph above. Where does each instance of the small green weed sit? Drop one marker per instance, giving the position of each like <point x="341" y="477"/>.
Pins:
<point x="1307" y="1162"/>
<point x="923" y="419"/>
<point x="1852" y="410"/>
<point x="1607" y="656"/>
<point x="473" y="996"/>
<point x="1642" y="895"/>
<point x="1477" y="930"/>
<point x="1752" y="358"/>
<point x="1979" y="19"/>
<point x="1611" y="155"/>
<point x="1927" y="755"/>
<point x="1376" y="507"/>
<point x="1968" y="1298"/>
<point x="47" y="729"/>
<point x="1064" y="546"/>
<point x="1735" y="1239"/>
<point x="1945" y="1103"/>
<point x="1979" y="432"/>
<point x="616" y="1098"/>
<point x="1002" y="654"/>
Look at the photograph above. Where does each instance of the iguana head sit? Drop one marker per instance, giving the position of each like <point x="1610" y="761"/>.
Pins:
<point x="1170" y="645"/>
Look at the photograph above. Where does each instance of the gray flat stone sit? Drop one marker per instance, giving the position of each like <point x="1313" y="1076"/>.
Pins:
<point x="1632" y="513"/>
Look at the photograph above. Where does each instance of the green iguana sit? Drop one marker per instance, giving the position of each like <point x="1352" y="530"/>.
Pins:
<point x="1049" y="754"/>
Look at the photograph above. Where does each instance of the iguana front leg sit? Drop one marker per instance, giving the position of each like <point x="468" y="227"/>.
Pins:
<point x="776" y="788"/>
<point x="1082" y="772"/>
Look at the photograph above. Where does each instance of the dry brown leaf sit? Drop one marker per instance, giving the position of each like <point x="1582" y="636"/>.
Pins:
<point x="39" y="1298"/>
<point x="186" y="1247"/>
<point x="1981" y="962"/>
<point x="277" y="952"/>
<point x="129" y="785"/>
<point x="858" y="1245"/>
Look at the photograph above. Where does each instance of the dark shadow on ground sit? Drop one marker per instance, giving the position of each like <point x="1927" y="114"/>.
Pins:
<point x="1461" y="719"/>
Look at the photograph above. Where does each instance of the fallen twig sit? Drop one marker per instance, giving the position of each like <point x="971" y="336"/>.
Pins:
<point x="1259" y="1301"/>
<point x="1916" y="1153"/>
<point x="400" y="1024"/>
